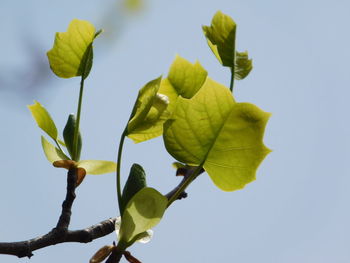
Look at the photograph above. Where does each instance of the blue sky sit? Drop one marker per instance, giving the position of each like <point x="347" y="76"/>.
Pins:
<point x="296" y="210"/>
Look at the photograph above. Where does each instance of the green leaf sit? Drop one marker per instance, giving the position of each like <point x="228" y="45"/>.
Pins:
<point x="136" y="181"/>
<point x="221" y="37"/>
<point x="43" y="119"/>
<point x="225" y="135"/>
<point x="185" y="77"/>
<point x="68" y="135"/>
<point x="51" y="152"/>
<point x="97" y="167"/>
<point x="149" y="113"/>
<point x="243" y="65"/>
<point x="143" y="212"/>
<point x="72" y="52"/>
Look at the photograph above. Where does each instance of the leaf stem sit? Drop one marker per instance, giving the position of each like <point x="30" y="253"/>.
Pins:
<point x="190" y="177"/>
<point x="76" y="131"/>
<point x="120" y="150"/>
<point x="232" y="78"/>
<point x="59" y="147"/>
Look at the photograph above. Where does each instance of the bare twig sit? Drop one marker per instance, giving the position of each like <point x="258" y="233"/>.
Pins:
<point x="61" y="234"/>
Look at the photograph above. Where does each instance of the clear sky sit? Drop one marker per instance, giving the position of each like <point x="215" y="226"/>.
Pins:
<point x="298" y="208"/>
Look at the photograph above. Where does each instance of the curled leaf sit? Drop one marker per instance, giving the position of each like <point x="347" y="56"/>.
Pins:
<point x="221" y="38"/>
<point x="149" y="113"/>
<point x="243" y="65"/>
<point x="136" y="181"/>
<point x="68" y="136"/>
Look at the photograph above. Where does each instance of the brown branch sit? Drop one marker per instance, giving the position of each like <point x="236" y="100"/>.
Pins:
<point x="186" y="173"/>
<point x="61" y="234"/>
<point x="64" y="220"/>
<point x="25" y="248"/>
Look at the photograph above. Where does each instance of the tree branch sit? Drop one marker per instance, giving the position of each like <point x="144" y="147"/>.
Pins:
<point x="61" y="234"/>
<point x="25" y="248"/>
<point x="186" y="172"/>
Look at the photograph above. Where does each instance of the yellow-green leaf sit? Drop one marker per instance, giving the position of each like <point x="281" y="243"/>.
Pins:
<point x="51" y="152"/>
<point x="96" y="167"/>
<point x="225" y="135"/>
<point x="221" y="37"/>
<point x="43" y="119"/>
<point x="71" y="54"/>
<point x="143" y="212"/>
<point x="243" y="65"/>
<point x="185" y="77"/>
<point x="149" y="113"/>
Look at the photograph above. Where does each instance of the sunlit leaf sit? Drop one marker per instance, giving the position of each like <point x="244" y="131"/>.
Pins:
<point x="51" y="152"/>
<point x="221" y="37"/>
<point x="149" y="113"/>
<point x="144" y="237"/>
<point x="43" y="119"/>
<point x="71" y="54"/>
<point x="225" y="135"/>
<point x="143" y="212"/>
<point x="136" y="181"/>
<point x="96" y="167"/>
<point x="243" y="65"/>
<point x="185" y="77"/>
<point x="68" y="135"/>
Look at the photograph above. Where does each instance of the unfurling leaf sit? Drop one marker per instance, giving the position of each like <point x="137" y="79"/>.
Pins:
<point x="149" y="113"/>
<point x="221" y="37"/>
<point x="225" y="135"/>
<point x="143" y="212"/>
<point x="43" y="119"/>
<point x="51" y="152"/>
<point x="136" y="181"/>
<point x="97" y="167"/>
<point x="68" y="136"/>
<point x="243" y="65"/>
<point x="72" y="52"/>
<point x="101" y="254"/>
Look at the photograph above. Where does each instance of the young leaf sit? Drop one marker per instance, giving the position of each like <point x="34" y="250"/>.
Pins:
<point x="136" y="181"/>
<point x="149" y="113"/>
<point x="221" y="37"/>
<point x="97" y="167"/>
<point x="68" y="136"/>
<point x="51" y="152"/>
<point x="243" y="65"/>
<point x="143" y="212"/>
<point x="43" y="119"/>
<point x="152" y="125"/>
<point x="186" y="78"/>
<point x="71" y="54"/>
<point x="225" y="135"/>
